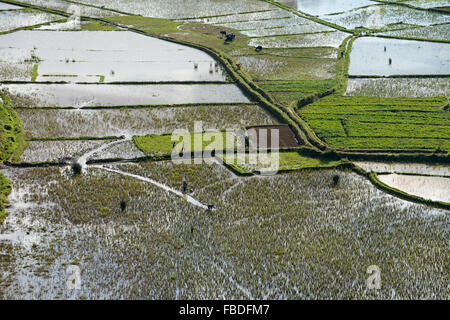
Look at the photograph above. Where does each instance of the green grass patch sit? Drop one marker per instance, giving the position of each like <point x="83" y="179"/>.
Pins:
<point x="92" y="25"/>
<point x="35" y="74"/>
<point x="154" y="144"/>
<point x="151" y="25"/>
<point x="278" y="161"/>
<point x="287" y="92"/>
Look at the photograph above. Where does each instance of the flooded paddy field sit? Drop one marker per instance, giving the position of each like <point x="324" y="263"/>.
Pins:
<point x="89" y="95"/>
<point x="43" y="123"/>
<point x="269" y="68"/>
<point x="70" y="7"/>
<point x="399" y="87"/>
<point x="58" y="151"/>
<point x="14" y="19"/>
<point x="418" y="168"/>
<point x="276" y="26"/>
<point x="324" y="7"/>
<point x="385" y="17"/>
<point x="426" y="3"/>
<point x="368" y="57"/>
<point x="105" y="56"/>
<point x="269" y="16"/>
<point x="438" y="32"/>
<point x="7" y="6"/>
<point x="178" y="9"/>
<point x="327" y="39"/>
<point x="236" y="234"/>
<point x="166" y="244"/>
<point x="433" y="188"/>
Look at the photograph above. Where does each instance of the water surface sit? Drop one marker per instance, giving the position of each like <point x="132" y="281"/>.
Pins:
<point x="93" y="56"/>
<point x="433" y="188"/>
<point x="408" y="57"/>
<point x="85" y="95"/>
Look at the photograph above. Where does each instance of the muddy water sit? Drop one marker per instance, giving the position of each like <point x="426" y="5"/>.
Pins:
<point x="89" y="56"/>
<point x="85" y="95"/>
<point x="433" y="188"/>
<point x="368" y="57"/>
<point x="427" y="169"/>
<point x="321" y="7"/>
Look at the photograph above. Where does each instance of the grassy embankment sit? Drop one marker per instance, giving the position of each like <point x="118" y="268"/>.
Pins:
<point x="12" y="143"/>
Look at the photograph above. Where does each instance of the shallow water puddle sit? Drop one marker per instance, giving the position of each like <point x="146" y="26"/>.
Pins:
<point x="433" y="188"/>
<point x="86" y="95"/>
<point x="108" y="56"/>
<point x="369" y="57"/>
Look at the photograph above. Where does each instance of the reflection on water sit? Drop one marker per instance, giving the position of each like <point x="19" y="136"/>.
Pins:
<point x="321" y="7"/>
<point x="421" y="168"/>
<point x="376" y="56"/>
<point x="433" y="188"/>
<point x="77" y="56"/>
<point x="86" y="95"/>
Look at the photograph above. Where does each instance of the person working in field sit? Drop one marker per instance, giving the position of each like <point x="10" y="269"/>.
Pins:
<point x="184" y="188"/>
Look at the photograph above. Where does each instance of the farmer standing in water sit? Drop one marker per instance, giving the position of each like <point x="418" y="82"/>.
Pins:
<point x="184" y="188"/>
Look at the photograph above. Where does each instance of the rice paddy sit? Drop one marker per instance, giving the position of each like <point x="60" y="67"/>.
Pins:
<point x="88" y="95"/>
<point x="103" y="56"/>
<point x="209" y="254"/>
<point x="401" y="57"/>
<point x="433" y="188"/>
<point x="384" y="123"/>
<point x="179" y="9"/>
<point x="399" y="87"/>
<point x="44" y="123"/>
<point x="15" y="19"/>
<point x="436" y="32"/>
<point x="385" y="17"/>
<point x="329" y="39"/>
<point x="324" y="7"/>
<point x="86" y="123"/>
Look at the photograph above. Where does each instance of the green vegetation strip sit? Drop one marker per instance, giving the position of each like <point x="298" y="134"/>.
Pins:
<point x="12" y="134"/>
<point x="5" y="189"/>
<point x="12" y="144"/>
<point x="305" y="158"/>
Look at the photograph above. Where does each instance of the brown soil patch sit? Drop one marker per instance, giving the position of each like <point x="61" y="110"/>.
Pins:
<point x="287" y="136"/>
